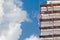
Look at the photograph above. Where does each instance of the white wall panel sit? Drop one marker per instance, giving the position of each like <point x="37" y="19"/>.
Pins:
<point x="56" y="15"/>
<point x="50" y="8"/>
<point x="56" y="31"/>
<point x="46" y="24"/>
<point x="56" y="23"/>
<point x="50" y="23"/>
<point x="50" y="31"/>
<point x="56" y="7"/>
<point x="47" y="32"/>
<point x="53" y="1"/>
<point x="56" y="38"/>
<point x="46" y="38"/>
<point x="47" y="16"/>
<point x="43" y="9"/>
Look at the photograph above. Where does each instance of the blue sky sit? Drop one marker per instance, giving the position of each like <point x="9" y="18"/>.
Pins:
<point x="33" y="9"/>
<point x="30" y="28"/>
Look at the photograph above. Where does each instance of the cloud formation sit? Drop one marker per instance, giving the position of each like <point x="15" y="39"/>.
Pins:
<point x="32" y="37"/>
<point x="11" y="17"/>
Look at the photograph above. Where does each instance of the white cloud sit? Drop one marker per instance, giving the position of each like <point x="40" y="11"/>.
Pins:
<point x="33" y="37"/>
<point x="11" y="18"/>
<point x="11" y="33"/>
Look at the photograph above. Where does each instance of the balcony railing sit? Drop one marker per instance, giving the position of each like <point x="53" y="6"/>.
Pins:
<point x="49" y="36"/>
<point x="45" y="5"/>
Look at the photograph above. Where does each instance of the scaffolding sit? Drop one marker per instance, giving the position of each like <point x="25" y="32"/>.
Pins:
<point x="52" y="18"/>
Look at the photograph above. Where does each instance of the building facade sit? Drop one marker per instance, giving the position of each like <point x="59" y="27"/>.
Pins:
<point x="50" y="21"/>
